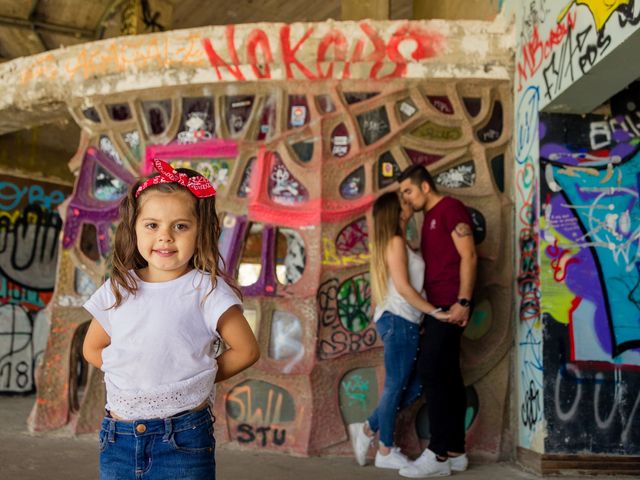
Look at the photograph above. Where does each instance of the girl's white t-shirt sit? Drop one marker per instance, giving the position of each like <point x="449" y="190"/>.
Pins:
<point x="161" y="359"/>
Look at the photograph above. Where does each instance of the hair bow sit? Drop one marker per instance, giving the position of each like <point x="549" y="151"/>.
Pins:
<point x="198" y="185"/>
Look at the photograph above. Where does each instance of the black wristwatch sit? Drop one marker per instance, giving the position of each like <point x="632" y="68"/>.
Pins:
<point x="465" y="302"/>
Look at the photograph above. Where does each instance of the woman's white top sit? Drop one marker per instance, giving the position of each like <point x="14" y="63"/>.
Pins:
<point x="161" y="359"/>
<point x="396" y="303"/>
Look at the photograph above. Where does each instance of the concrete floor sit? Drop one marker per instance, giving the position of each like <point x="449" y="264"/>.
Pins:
<point x="57" y="455"/>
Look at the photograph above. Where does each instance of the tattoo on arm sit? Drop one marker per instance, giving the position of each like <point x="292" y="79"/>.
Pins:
<point x="463" y="230"/>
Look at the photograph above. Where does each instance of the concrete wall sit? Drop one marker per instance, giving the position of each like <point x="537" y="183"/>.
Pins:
<point x="577" y="321"/>
<point x="299" y="144"/>
<point x="41" y="152"/>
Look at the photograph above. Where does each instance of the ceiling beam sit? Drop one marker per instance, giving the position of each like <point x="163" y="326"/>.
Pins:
<point x="46" y="27"/>
<point x="361" y="9"/>
<point x="456" y="9"/>
<point x="40" y="40"/>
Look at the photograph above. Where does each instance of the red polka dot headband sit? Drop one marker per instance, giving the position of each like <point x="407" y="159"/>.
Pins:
<point x="198" y="185"/>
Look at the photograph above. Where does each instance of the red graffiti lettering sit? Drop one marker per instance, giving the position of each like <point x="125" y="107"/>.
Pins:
<point x="376" y="56"/>
<point x="339" y="41"/>
<point x="289" y="54"/>
<point x="260" y="54"/>
<point x="536" y="51"/>
<point x="257" y="38"/>
<point x="217" y="62"/>
<point x="427" y="45"/>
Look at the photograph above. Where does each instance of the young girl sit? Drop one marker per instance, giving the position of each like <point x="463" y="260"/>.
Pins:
<point x="397" y="275"/>
<point x="155" y="323"/>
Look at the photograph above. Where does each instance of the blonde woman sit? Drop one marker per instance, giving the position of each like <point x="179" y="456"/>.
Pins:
<point x="397" y="274"/>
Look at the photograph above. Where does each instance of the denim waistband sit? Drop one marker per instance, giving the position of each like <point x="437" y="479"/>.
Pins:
<point x="156" y="426"/>
<point x="388" y="314"/>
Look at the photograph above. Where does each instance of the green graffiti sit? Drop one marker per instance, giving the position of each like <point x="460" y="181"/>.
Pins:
<point x="358" y="394"/>
<point x="356" y="390"/>
<point x="354" y="303"/>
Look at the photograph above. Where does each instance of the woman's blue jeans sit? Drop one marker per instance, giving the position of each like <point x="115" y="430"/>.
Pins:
<point x="402" y="386"/>
<point x="180" y="447"/>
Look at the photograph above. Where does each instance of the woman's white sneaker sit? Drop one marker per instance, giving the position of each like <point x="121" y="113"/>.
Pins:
<point x="426" y="465"/>
<point x="459" y="463"/>
<point x="394" y="460"/>
<point x="360" y="442"/>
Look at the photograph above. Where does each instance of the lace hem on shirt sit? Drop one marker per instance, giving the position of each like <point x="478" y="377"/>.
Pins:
<point x="163" y="401"/>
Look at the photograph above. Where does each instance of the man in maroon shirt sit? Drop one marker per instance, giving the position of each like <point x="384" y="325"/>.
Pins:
<point x="450" y="257"/>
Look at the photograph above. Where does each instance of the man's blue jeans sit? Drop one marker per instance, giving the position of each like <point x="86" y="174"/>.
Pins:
<point x="401" y="384"/>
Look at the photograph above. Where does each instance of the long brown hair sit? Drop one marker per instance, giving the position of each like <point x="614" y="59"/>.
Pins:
<point x="126" y="257"/>
<point x="386" y="225"/>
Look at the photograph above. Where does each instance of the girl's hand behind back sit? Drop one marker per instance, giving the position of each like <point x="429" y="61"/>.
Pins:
<point x="95" y="341"/>
<point x="243" y="348"/>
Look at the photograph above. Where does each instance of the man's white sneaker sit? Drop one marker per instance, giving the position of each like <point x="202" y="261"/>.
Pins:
<point x="426" y="465"/>
<point x="459" y="463"/>
<point x="394" y="460"/>
<point x="360" y="442"/>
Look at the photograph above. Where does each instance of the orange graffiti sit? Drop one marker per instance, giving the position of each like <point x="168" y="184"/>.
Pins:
<point x="242" y="397"/>
<point x="148" y="52"/>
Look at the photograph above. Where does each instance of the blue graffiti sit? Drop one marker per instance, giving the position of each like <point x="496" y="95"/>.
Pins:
<point x="12" y="195"/>
<point x="607" y="205"/>
<point x="527" y="123"/>
<point x="531" y="348"/>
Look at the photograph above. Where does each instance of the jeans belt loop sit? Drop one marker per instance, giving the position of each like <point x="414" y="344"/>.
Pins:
<point x="168" y="429"/>
<point x="111" y="434"/>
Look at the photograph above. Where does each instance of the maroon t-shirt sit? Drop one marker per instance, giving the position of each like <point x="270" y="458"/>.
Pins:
<point x="442" y="272"/>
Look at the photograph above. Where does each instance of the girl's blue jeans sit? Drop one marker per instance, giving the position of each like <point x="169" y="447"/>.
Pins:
<point x="180" y="447"/>
<point x="401" y="384"/>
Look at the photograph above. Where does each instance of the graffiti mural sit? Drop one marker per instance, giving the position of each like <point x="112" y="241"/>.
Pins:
<point x="290" y="268"/>
<point x="590" y="276"/>
<point x="554" y="54"/>
<point x="358" y="394"/>
<point x="603" y="398"/>
<point x="345" y="317"/>
<point x="575" y="212"/>
<point x="430" y="44"/>
<point x="350" y="248"/>
<point x="284" y="187"/>
<point x="286" y="339"/>
<point x="529" y="333"/>
<point x="29" y="231"/>
<point x="262" y="412"/>
<point x="457" y="177"/>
